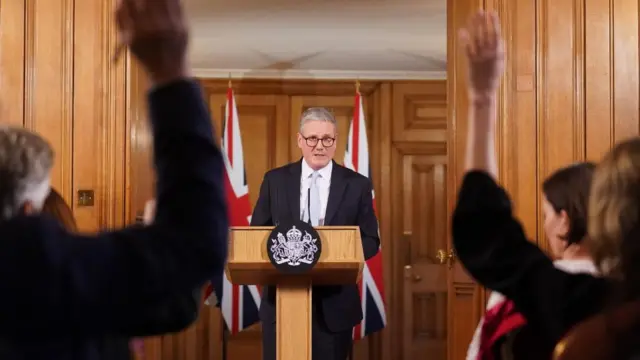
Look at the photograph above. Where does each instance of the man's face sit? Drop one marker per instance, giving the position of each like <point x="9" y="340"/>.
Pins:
<point x="317" y="140"/>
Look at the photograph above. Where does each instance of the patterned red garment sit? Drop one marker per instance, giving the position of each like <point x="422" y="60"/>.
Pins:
<point x="501" y="316"/>
<point x="499" y="321"/>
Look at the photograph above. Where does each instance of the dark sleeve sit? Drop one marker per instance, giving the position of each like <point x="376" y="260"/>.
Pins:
<point x="172" y="315"/>
<point x="102" y="283"/>
<point x="368" y="223"/>
<point x="492" y="246"/>
<point x="262" y="212"/>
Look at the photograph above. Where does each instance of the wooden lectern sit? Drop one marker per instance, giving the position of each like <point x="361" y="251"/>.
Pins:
<point x="341" y="262"/>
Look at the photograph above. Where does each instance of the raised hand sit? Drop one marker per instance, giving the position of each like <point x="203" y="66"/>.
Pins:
<point x="156" y="33"/>
<point x="484" y="46"/>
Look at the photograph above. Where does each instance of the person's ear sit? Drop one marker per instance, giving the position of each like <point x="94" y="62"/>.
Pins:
<point x="301" y="140"/>
<point x="564" y="225"/>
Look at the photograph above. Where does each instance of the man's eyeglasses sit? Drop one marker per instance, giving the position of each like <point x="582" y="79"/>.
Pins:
<point x="312" y="141"/>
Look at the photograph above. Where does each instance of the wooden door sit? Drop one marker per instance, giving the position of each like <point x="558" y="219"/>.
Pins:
<point x="419" y="210"/>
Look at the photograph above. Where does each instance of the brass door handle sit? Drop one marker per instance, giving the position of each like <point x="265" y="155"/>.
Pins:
<point x="446" y="258"/>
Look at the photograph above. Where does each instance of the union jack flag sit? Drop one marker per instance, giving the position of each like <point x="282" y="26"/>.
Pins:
<point x="370" y="286"/>
<point x="239" y="303"/>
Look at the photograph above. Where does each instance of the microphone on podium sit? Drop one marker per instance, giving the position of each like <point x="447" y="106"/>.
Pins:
<point x="309" y="206"/>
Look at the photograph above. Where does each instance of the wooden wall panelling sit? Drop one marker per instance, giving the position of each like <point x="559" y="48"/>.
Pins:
<point x="12" y="48"/>
<point x="466" y="299"/>
<point x="48" y="93"/>
<point x="57" y="81"/>
<point x="570" y="91"/>
<point x="599" y="67"/>
<point x="611" y="74"/>
<point x="99" y="127"/>
<point x="383" y="344"/>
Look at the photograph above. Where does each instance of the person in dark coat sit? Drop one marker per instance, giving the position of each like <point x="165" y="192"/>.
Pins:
<point x="317" y="190"/>
<point x="72" y="296"/>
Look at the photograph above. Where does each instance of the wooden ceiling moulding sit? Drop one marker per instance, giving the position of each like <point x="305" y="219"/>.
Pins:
<point x="289" y="87"/>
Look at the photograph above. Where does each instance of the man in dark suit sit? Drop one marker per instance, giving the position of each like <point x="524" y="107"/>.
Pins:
<point x="317" y="190"/>
<point x="71" y="296"/>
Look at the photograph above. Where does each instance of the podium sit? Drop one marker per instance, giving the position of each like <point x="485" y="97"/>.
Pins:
<point x="340" y="262"/>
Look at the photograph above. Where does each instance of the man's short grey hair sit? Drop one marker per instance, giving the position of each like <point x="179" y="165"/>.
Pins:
<point x="26" y="160"/>
<point x="317" y="113"/>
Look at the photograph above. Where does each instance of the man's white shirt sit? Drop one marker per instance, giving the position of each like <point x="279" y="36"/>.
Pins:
<point x="323" y="183"/>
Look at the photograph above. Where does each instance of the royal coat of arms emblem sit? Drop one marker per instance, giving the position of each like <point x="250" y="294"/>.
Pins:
<point x="296" y="247"/>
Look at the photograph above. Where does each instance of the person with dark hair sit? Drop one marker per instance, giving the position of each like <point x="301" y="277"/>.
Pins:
<point x="565" y="203"/>
<point x="564" y="207"/>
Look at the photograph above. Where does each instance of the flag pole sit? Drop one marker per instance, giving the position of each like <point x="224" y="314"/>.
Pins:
<point x="229" y="80"/>
<point x="350" y="357"/>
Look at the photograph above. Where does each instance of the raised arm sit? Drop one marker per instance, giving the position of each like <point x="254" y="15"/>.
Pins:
<point x="169" y="315"/>
<point x="484" y="47"/>
<point x="60" y="283"/>
<point x="492" y="246"/>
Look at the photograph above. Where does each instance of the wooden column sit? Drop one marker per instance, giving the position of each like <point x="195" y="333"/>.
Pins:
<point x="293" y="324"/>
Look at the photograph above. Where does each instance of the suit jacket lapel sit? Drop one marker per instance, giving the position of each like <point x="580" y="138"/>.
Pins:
<point x="293" y="189"/>
<point x="336" y="190"/>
